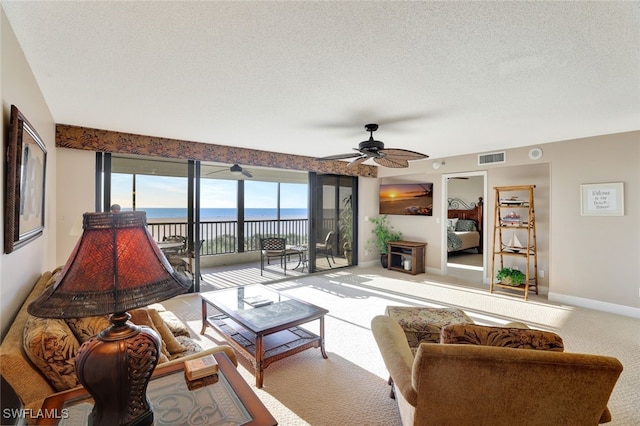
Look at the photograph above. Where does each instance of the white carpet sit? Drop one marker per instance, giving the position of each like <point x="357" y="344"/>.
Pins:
<point x="350" y="388"/>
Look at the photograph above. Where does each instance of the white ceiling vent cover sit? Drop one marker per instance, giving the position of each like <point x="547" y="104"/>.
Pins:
<point x="492" y="158"/>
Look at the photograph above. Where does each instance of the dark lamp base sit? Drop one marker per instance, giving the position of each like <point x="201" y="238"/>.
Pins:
<point x="115" y="367"/>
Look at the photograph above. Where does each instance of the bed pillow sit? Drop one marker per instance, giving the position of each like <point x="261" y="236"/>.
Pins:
<point x="465" y="225"/>
<point x="451" y="224"/>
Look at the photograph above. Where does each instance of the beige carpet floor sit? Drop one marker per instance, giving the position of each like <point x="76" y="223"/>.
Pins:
<point x="465" y="258"/>
<point x="350" y="387"/>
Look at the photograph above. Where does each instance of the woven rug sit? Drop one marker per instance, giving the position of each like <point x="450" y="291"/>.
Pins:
<point x="350" y="387"/>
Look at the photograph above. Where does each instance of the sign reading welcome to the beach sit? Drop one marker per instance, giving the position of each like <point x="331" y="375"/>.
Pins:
<point x="602" y="199"/>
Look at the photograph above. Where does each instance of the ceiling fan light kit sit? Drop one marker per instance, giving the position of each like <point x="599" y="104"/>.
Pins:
<point x="371" y="148"/>
<point x="236" y="170"/>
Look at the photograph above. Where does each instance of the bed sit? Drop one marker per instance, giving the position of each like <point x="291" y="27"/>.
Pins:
<point x="464" y="225"/>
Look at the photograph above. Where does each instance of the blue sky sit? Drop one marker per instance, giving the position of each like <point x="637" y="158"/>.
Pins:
<point x="166" y="191"/>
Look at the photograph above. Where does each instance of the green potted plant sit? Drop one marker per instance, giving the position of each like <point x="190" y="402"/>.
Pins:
<point x="346" y="227"/>
<point x="511" y="276"/>
<point x="383" y="234"/>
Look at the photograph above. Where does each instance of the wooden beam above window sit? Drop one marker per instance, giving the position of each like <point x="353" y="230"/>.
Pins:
<point x="97" y="140"/>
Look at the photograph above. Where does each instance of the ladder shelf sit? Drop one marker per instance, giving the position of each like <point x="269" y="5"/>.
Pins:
<point x="514" y="237"/>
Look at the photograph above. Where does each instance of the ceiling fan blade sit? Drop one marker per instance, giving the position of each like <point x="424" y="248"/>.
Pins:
<point x="246" y="173"/>
<point x="357" y="161"/>
<point x="404" y="154"/>
<point x="393" y="162"/>
<point x="340" y="156"/>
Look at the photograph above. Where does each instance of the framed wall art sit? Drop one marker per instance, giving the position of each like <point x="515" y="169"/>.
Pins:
<point x="25" y="167"/>
<point x="602" y="199"/>
<point x="406" y="198"/>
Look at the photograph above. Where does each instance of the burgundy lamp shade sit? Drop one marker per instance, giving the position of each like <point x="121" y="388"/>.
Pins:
<point x="116" y="266"/>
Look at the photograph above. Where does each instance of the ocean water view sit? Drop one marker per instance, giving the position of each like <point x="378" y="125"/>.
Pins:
<point x="157" y="214"/>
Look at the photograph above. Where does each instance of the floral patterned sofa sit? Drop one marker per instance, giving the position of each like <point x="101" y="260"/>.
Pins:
<point x="37" y="355"/>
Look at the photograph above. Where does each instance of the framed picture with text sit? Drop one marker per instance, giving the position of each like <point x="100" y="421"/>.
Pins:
<point x="602" y="199"/>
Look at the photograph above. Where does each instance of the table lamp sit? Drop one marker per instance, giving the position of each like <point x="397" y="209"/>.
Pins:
<point x="116" y="266"/>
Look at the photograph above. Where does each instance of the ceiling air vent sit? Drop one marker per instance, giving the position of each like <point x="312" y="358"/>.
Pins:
<point x="491" y="158"/>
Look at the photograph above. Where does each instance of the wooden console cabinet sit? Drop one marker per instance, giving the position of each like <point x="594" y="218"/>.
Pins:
<point x="400" y="251"/>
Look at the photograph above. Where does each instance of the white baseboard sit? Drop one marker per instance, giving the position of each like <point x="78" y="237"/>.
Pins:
<point x="612" y="308"/>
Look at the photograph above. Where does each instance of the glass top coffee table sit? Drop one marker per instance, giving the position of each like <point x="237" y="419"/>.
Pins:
<point x="230" y="401"/>
<point x="262" y="324"/>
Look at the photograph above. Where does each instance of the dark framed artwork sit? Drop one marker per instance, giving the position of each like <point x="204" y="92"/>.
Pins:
<point x="25" y="167"/>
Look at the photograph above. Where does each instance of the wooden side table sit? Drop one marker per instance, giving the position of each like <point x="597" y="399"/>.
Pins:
<point x="229" y="401"/>
<point x="399" y="251"/>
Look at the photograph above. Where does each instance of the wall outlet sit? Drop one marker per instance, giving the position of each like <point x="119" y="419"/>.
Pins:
<point x="541" y="273"/>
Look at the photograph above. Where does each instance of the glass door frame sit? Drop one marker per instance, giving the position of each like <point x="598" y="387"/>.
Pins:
<point x="316" y="183"/>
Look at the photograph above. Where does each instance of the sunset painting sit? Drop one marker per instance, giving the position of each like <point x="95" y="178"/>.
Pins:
<point x="407" y="198"/>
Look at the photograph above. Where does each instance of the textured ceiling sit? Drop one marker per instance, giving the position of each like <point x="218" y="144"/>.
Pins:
<point x="443" y="78"/>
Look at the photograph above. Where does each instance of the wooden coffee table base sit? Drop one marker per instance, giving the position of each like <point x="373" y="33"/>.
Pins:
<point x="262" y="350"/>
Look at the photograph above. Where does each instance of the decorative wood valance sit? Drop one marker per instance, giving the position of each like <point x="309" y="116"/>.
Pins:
<point x="97" y="140"/>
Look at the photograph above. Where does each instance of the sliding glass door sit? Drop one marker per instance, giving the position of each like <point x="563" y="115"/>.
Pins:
<point x="333" y="221"/>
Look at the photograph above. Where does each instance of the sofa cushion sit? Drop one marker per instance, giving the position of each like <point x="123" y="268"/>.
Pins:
<point x="191" y="346"/>
<point x="86" y="327"/>
<point x="177" y="327"/>
<point x="141" y="317"/>
<point x="52" y="348"/>
<point x="472" y="334"/>
<point x="173" y="345"/>
<point x="423" y="324"/>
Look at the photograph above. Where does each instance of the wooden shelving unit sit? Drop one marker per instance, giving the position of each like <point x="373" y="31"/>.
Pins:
<point x="514" y="237"/>
<point x="398" y="251"/>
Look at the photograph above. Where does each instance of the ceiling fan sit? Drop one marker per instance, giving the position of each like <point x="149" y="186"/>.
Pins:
<point x="235" y="170"/>
<point x="391" y="157"/>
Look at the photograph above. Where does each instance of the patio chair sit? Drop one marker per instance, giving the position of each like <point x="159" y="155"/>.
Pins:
<point x="275" y="247"/>
<point x="176" y="255"/>
<point x="326" y="248"/>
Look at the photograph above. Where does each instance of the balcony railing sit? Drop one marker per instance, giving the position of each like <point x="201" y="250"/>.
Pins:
<point x="222" y="237"/>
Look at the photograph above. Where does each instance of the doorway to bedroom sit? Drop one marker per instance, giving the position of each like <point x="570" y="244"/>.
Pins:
<point x="465" y="227"/>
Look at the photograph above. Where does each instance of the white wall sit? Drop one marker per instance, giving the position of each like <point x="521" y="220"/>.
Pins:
<point x="75" y="197"/>
<point x="20" y="269"/>
<point x="468" y="189"/>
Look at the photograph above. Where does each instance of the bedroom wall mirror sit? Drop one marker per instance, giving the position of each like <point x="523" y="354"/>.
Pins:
<point x="464" y="226"/>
